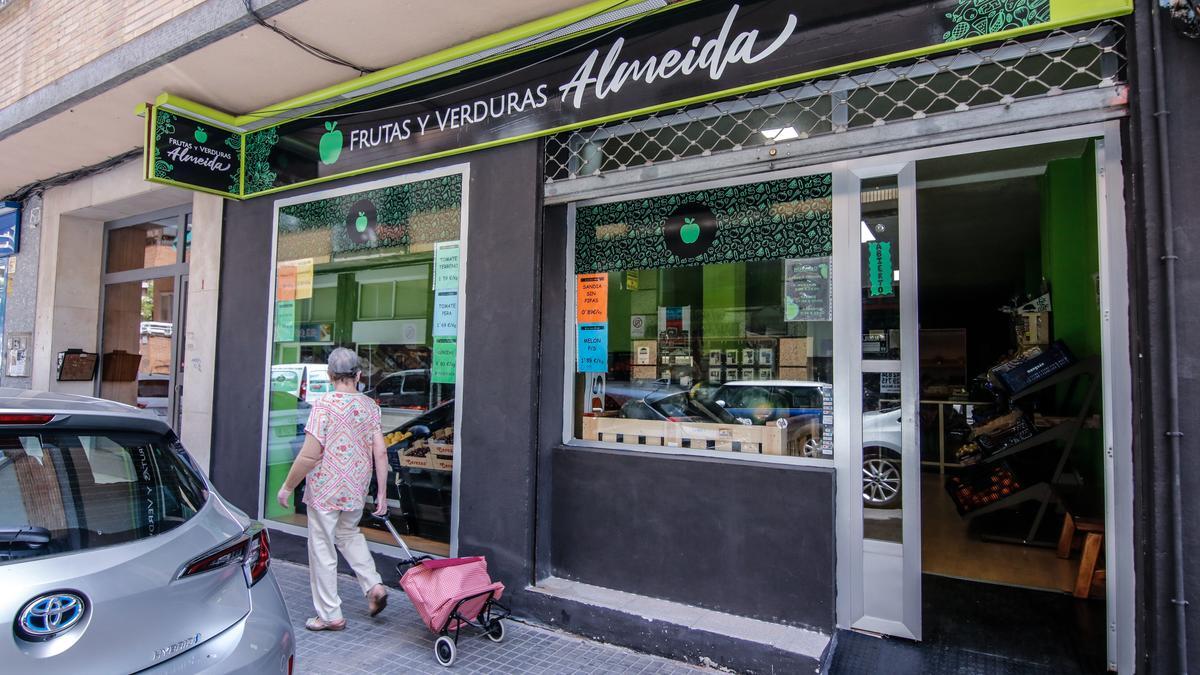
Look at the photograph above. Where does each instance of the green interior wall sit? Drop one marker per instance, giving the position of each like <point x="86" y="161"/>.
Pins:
<point x="1070" y="263"/>
<point x="724" y="290"/>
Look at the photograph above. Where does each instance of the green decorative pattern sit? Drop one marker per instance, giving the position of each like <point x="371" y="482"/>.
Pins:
<point x="259" y="175"/>
<point x="164" y="125"/>
<point x="975" y="18"/>
<point x="788" y="218"/>
<point x="411" y="214"/>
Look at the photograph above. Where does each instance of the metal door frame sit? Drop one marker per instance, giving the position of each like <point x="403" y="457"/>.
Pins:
<point x="1116" y="357"/>
<point x="178" y="271"/>
<point x="853" y="549"/>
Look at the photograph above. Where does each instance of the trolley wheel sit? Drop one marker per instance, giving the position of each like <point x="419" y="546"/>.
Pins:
<point x="444" y="649"/>
<point x="495" y="631"/>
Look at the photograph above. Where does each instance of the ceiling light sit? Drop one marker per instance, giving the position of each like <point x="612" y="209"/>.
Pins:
<point x="784" y="134"/>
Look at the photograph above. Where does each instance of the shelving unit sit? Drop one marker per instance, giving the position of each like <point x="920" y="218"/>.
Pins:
<point x="1065" y="434"/>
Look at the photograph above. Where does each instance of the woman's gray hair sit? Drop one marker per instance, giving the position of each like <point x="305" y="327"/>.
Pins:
<point x="343" y="364"/>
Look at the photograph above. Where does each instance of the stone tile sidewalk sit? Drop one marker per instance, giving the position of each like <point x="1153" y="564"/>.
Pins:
<point x="397" y="642"/>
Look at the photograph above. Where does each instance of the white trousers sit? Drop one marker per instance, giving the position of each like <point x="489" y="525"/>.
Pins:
<point x="325" y="530"/>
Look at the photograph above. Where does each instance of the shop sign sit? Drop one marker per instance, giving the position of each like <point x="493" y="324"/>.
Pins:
<point x="190" y="153"/>
<point x="691" y="52"/>
<point x="10" y="228"/>
<point x="879" y="268"/>
<point x="807" y="289"/>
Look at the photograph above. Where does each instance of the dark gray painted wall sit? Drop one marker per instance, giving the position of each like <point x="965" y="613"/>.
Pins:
<point x="725" y="534"/>
<point x="1154" y="472"/>
<point x="497" y="465"/>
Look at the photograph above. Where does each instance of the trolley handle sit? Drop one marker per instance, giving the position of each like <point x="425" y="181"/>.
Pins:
<point x="409" y="558"/>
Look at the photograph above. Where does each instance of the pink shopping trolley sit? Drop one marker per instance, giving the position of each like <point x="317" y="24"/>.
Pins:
<point x="450" y="594"/>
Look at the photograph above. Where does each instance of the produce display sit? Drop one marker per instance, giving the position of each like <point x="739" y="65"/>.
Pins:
<point x="435" y="453"/>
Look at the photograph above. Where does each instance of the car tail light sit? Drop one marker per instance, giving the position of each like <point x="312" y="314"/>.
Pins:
<point x="303" y="389"/>
<point x="291" y="663"/>
<point x="258" y="556"/>
<point x="251" y="550"/>
<point x="18" y="418"/>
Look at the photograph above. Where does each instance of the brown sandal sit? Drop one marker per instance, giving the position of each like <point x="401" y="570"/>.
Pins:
<point x="377" y="601"/>
<point x="317" y="623"/>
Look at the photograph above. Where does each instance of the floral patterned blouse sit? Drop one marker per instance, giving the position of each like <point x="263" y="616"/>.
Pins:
<point x="345" y="425"/>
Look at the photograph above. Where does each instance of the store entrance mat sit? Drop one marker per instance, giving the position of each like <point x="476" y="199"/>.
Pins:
<point x="983" y="629"/>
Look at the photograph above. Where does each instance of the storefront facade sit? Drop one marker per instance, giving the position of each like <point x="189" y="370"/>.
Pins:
<point x="675" y="313"/>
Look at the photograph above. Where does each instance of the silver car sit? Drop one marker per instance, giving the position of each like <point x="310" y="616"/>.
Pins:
<point x="116" y="554"/>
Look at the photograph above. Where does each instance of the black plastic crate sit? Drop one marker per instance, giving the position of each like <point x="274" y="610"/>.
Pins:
<point x="1021" y="430"/>
<point x="1021" y="373"/>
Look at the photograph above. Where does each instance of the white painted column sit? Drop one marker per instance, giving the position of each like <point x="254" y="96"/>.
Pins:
<point x="200" y="329"/>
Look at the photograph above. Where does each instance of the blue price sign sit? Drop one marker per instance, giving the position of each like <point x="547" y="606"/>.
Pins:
<point x="592" y="347"/>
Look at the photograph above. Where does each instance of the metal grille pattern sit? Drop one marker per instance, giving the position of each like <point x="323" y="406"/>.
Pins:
<point x="993" y="75"/>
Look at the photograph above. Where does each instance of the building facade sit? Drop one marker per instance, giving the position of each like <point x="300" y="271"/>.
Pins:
<point x="724" y="330"/>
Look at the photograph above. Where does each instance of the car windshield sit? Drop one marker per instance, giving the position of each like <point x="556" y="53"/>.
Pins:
<point x="67" y="490"/>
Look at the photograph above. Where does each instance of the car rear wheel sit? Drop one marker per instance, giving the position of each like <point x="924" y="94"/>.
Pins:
<point x="881" y="479"/>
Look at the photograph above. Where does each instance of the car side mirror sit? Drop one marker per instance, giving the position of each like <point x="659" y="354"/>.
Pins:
<point x="721" y="403"/>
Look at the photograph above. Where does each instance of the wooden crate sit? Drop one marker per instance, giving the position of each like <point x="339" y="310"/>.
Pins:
<point x="767" y="440"/>
<point x="415" y="461"/>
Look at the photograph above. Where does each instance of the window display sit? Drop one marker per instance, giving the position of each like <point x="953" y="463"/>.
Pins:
<point x="707" y="316"/>
<point x="376" y="271"/>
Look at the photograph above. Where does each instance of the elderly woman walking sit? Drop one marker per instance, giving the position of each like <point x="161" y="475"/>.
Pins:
<point x="342" y="443"/>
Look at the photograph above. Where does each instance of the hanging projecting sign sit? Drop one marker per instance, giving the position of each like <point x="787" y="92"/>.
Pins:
<point x="680" y="55"/>
<point x="193" y="154"/>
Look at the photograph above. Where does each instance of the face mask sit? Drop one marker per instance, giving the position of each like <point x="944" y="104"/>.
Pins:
<point x="362" y="387"/>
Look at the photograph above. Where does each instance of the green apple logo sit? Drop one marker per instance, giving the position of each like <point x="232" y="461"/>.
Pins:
<point x="690" y="231"/>
<point x="331" y="144"/>
<point x="200" y="135"/>
<point x="360" y="223"/>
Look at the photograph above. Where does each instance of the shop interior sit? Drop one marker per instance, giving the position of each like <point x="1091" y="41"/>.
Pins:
<point x="1012" y="481"/>
<point x="383" y="283"/>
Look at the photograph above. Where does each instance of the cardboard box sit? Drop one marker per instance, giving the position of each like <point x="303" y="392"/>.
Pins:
<point x="412" y="458"/>
<point x="795" y="352"/>
<point x="644" y="372"/>
<point x="443" y="456"/>
<point x="793" y="373"/>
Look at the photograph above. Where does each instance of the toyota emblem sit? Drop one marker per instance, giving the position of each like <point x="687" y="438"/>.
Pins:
<point x="49" y="615"/>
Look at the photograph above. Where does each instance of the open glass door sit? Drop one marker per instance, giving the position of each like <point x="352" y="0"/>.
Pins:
<point x="879" y="516"/>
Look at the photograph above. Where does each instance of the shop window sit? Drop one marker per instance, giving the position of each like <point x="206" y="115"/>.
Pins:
<point x="375" y="271"/>
<point x="703" y="320"/>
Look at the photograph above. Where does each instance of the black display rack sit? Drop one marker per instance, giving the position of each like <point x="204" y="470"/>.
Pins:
<point x="1064" y="434"/>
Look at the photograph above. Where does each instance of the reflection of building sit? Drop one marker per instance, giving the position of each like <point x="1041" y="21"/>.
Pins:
<point x="994" y="165"/>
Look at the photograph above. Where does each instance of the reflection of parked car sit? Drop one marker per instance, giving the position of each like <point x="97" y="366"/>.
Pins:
<point x="799" y="403"/>
<point x="306" y="381"/>
<point x="881" y="458"/>
<point x="153" y="393"/>
<point x="674" y="406"/>
<point x="118" y="556"/>
<point x="402" y="389"/>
